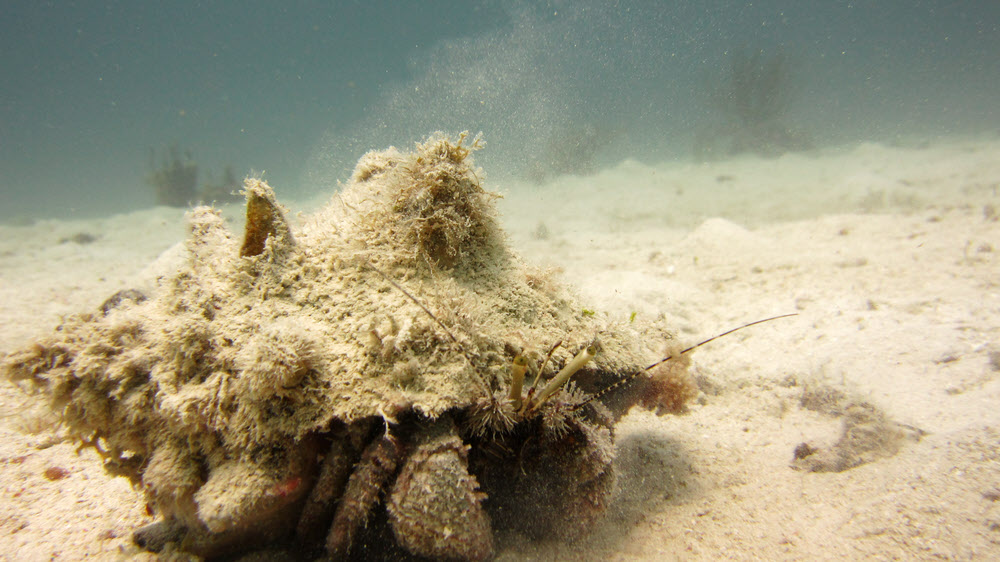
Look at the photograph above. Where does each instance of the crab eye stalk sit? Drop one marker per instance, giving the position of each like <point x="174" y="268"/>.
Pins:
<point x="568" y="371"/>
<point x="517" y="380"/>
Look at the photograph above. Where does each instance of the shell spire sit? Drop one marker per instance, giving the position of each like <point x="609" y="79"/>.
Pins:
<point x="264" y="219"/>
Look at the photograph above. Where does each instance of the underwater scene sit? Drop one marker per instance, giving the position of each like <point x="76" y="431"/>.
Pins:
<point x="500" y="280"/>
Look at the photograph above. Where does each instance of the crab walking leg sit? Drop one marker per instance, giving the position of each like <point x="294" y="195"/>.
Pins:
<point x="375" y="469"/>
<point x="568" y="371"/>
<point x="435" y="507"/>
<point x="336" y="469"/>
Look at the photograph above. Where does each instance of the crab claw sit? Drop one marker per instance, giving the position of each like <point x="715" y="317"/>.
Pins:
<point x="243" y="504"/>
<point x="435" y="507"/>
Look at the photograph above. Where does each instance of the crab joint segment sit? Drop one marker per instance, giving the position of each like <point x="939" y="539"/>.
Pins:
<point x="568" y="371"/>
<point x="435" y="506"/>
<point x="517" y="380"/>
<point x="377" y="465"/>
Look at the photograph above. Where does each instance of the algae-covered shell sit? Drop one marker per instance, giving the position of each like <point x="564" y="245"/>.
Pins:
<point x="399" y="295"/>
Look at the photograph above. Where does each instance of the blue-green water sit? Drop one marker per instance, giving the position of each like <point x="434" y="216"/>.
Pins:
<point x="301" y="89"/>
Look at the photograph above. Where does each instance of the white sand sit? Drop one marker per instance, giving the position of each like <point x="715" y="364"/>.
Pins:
<point x="888" y="255"/>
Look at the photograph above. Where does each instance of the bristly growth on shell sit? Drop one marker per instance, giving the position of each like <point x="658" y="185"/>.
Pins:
<point x="398" y="306"/>
<point x="237" y="349"/>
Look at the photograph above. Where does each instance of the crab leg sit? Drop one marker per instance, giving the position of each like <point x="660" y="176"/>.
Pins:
<point x="377" y="465"/>
<point x="334" y="472"/>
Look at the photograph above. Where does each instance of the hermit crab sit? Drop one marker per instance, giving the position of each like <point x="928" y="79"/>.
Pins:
<point x="388" y="377"/>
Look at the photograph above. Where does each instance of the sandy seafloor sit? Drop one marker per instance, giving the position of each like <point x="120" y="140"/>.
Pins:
<point x="889" y="255"/>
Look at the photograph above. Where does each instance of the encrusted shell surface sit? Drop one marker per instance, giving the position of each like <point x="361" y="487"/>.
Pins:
<point x="251" y="343"/>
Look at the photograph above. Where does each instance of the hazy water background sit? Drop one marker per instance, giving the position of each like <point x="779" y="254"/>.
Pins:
<point x="301" y="89"/>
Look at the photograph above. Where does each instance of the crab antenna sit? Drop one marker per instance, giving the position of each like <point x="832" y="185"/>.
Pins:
<point x="538" y="376"/>
<point x="468" y="358"/>
<point x="568" y="371"/>
<point x="630" y="378"/>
